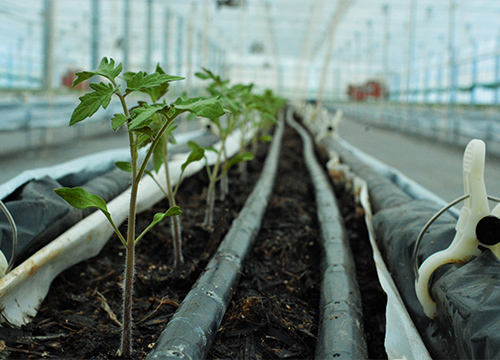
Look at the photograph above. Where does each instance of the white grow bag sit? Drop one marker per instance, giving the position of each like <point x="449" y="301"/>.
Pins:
<point x="402" y="339"/>
<point x="23" y="289"/>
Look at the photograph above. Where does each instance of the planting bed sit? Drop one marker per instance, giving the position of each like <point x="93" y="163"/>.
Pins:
<point x="78" y="324"/>
<point x="275" y="310"/>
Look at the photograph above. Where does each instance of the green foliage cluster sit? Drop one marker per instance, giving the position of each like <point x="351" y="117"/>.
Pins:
<point x="150" y="125"/>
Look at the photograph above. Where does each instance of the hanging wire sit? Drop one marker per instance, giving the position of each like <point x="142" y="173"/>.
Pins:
<point x="431" y="221"/>
<point x="14" y="235"/>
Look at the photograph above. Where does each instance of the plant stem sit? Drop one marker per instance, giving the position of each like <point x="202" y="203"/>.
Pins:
<point x="208" y="221"/>
<point x="128" y="288"/>
<point x="126" y="345"/>
<point x="175" y="220"/>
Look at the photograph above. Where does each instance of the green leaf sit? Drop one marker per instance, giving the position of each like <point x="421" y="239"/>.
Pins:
<point x="201" y="75"/>
<point x="269" y="117"/>
<point x="141" y="81"/>
<point x="124" y="165"/>
<point x="195" y="155"/>
<point x="159" y="154"/>
<point x="91" y="102"/>
<point x="208" y="108"/>
<point x="211" y="148"/>
<point x="192" y="145"/>
<point x="265" y="138"/>
<point x="174" y="210"/>
<point x="118" y="120"/>
<point x="143" y="115"/>
<point x="247" y="155"/>
<point x="81" y="199"/>
<point x="106" y="68"/>
<point x="206" y="74"/>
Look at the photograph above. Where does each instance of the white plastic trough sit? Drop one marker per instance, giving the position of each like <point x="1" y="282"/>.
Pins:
<point x="402" y="339"/>
<point x="24" y="288"/>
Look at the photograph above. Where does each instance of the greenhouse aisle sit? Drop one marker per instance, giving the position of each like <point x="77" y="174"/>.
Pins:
<point x="437" y="167"/>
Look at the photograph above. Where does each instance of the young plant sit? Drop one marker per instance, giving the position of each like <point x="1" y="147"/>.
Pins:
<point x="160" y="156"/>
<point x="258" y="114"/>
<point x="142" y="131"/>
<point x="229" y="97"/>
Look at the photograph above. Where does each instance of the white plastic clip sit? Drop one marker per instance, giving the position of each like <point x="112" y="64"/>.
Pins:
<point x="465" y="243"/>
<point x="330" y="126"/>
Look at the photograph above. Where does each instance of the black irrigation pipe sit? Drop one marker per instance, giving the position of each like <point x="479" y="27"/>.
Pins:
<point x="194" y="325"/>
<point x="340" y="332"/>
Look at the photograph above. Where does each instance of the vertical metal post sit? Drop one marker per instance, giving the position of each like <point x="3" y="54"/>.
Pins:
<point x="48" y="45"/>
<point x="180" y="35"/>
<point x="411" y="47"/>
<point x="497" y="70"/>
<point x="368" y="47"/>
<point x="166" y="37"/>
<point x="357" y="55"/>
<point x="474" y="71"/>
<point x="199" y="52"/>
<point x="427" y="79"/>
<point x="149" y="35"/>
<point x="427" y="56"/>
<point x="440" y="82"/>
<point x="94" y="34"/>
<point x="385" y="55"/>
<point x="474" y="60"/>
<point x="126" y="34"/>
<point x="451" y="52"/>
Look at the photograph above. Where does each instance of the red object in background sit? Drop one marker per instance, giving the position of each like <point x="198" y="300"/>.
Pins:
<point x="68" y="79"/>
<point x="372" y="89"/>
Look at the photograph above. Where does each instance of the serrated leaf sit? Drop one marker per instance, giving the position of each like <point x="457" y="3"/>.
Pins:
<point x="195" y="155"/>
<point x="208" y="108"/>
<point x="106" y="68"/>
<point x="124" y="165"/>
<point x="141" y="80"/>
<point x="246" y="156"/>
<point x="118" y="120"/>
<point x="143" y="115"/>
<point x="81" y="199"/>
<point x="91" y="102"/>
<point x="129" y="75"/>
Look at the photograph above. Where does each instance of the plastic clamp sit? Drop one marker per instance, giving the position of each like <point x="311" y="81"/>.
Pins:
<point x="330" y="126"/>
<point x="476" y="226"/>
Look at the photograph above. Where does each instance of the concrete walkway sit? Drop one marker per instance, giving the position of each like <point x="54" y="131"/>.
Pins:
<point x="435" y="166"/>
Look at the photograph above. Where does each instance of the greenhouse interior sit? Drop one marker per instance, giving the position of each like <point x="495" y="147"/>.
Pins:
<point x="250" y="179"/>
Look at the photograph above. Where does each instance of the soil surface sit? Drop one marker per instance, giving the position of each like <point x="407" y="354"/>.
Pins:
<point x="80" y="317"/>
<point x="274" y="312"/>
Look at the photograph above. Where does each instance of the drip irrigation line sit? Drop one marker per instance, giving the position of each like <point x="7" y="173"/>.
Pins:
<point x="193" y="327"/>
<point x="341" y="332"/>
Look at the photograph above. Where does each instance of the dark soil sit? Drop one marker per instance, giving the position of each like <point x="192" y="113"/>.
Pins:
<point x="274" y="312"/>
<point x="76" y="320"/>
